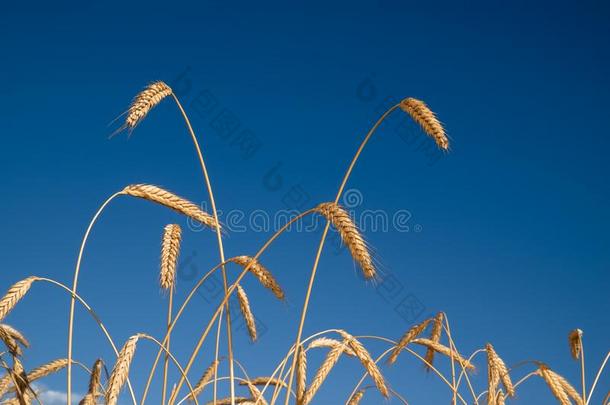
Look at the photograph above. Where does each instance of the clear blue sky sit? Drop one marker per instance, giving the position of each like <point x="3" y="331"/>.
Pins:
<point x="508" y="234"/>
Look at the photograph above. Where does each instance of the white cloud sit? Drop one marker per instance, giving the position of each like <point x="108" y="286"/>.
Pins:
<point x="52" y="397"/>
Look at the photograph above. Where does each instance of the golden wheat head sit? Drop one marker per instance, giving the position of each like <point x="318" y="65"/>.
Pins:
<point x="244" y="306"/>
<point x="497" y="366"/>
<point x="327" y="365"/>
<point x="350" y="235"/>
<point x="575" y="340"/>
<point x="425" y="117"/>
<point x="145" y="101"/>
<point x="170" y="200"/>
<point x="407" y="338"/>
<point x="435" y="336"/>
<point x="263" y="275"/>
<point x="444" y="350"/>
<point x="356" y="398"/>
<point x="301" y="374"/>
<point x="170" y="250"/>
<point x="120" y="372"/>
<point x="205" y="378"/>
<point x="367" y="362"/>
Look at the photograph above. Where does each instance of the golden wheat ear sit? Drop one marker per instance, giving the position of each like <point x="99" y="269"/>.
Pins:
<point x="143" y="102"/>
<point x="407" y="338"/>
<point x="575" y="341"/>
<point x="356" y="398"/>
<point x="350" y="235"/>
<point x="264" y="276"/>
<point x="120" y="372"/>
<point x="205" y="378"/>
<point x="497" y="370"/>
<point x="14" y="295"/>
<point x="425" y="117"/>
<point x="244" y="306"/>
<point x="170" y="250"/>
<point x="559" y="386"/>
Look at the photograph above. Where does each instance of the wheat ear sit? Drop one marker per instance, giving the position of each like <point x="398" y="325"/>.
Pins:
<point x="170" y="250"/>
<point x="144" y="102"/>
<point x="120" y="372"/>
<point x="566" y="387"/>
<point x="444" y="350"/>
<point x="301" y="374"/>
<point x="263" y="275"/>
<point x="13" y="295"/>
<point x="350" y="235"/>
<point x="9" y="341"/>
<point x="329" y="343"/>
<point x="575" y="341"/>
<point x="257" y="396"/>
<point x="88" y="399"/>
<point x="496" y="364"/>
<point x="246" y="311"/>
<point x="407" y="338"/>
<point x="264" y="381"/>
<point x="95" y="378"/>
<point x="207" y="376"/>
<point x="501" y="399"/>
<point x="329" y="362"/>
<point x="227" y="401"/>
<point x="170" y="200"/>
<point x="356" y="398"/>
<point x="367" y="362"/>
<point x="435" y="336"/>
<point x="554" y="385"/>
<point x="421" y="113"/>
<point x="15" y="334"/>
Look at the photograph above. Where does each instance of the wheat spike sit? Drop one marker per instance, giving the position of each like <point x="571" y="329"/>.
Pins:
<point x="170" y="200"/>
<point x="301" y="374"/>
<point x="227" y="401"/>
<point x="13" y="295"/>
<point x="15" y="334"/>
<point x="46" y="369"/>
<point x="170" y="249"/>
<point x="329" y="362"/>
<point x="120" y="371"/>
<point x="330" y="343"/>
<point x="88" y="399"/>
<point x="567" y="388"/>
<point x="244" y="305"/>
<point x="497" y="365"/>
<point x="554" y="384"/>
<point x="350" y="235"/>
<point x="435" y="336"/>
<point x="421" y="113"/>
<point x="257" y="396"/>
<point x="10" y="342"/>
<point x="501" y="399"/>
<point x="367" y="361"/>
<point x="95" y="378"/>
<point x="407" y="338"/>
<point x="144" y="102"/>
<point x="265" y="381"/>
<point x="207" y="376"/>
<point x="356" y="398"/>
<point x="444" y="350"/>
<point x="575" y="340"/>
<point x="261" y="272"/>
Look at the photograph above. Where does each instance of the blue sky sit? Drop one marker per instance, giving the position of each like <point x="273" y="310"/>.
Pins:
<point x="507" y="233"/>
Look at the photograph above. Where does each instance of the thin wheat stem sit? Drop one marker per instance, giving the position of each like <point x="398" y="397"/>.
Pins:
<point x="597" y="376"/>
<point x="216" y="356"/>
<point x="219" y="240"/>
<point x="582" y="372"/>
<point x="323" y="239"/>
<point x="453" y="348"/>
<point x="167" y="345"/>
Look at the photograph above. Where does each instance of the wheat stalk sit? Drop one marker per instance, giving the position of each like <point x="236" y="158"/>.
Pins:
<point x="444" y="350"/>
<point x="329" y="343"/>
<point x="435" y="336"/>
<point x="421" y="113"/>
<point x="301" y="374"/>
<point x="13" y="295"/>
<point x="350" y="235"/>
<point x="367" y="361"/>
<point x="144" y="102"/>
<point x="497" y="365"/>
<point x="170" y="249"/>
<point x="121" y="370"/>
<point x="170" y="200"/>
<point x="329" y="362"/>
<point x="575" y="341"/>
<point x="263" y="275"/>
<point x="407" y="338"/>
<point x="207" y="376"/>
<point x="244" y="305"/>
<point x="356" y="398"/>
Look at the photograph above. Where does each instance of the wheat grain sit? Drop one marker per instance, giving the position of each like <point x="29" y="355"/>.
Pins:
<point x="170" y="250"/>
<point x="170" y="200"/>
<point x="120" y="372"/>
<point x="407" y="338"/>
<point x="244" y="305"/>
<point x="13" y="295"/>
<point x="329" y="343"/>
<point x="367" y="361"/>
<point x="356" y="398"/>
<point x="575" y="340"/>
<point x="207" y="376"/>
<point x="350" y="235"/>
<point x="444" y="350"/>
<point x="421" y="113"/>
<point x="263" y="275"/>
<point x="144" y="102"/>
<point x="435" y="336"/>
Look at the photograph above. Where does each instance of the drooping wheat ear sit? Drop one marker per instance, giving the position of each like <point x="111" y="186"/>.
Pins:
<point x="329" y="362"/>
<point x="246" y="311"/>
<point x="14" y="294"/>
<point x="350" y="235"/>
<point x="95" y="378"/>
<point x="227" y="401"/>
<point x="170" y="250"/>
<point x="575" y="340"/>
<point x="501" y="399"/>
<point x="560" y="383"/>
<point x="20" y="378"/>
<point x="10" y="341"/>
<point x="330" y="343"/>
<point x="265" y="381"/>
<point x="367" y="362"/>
<point x="207" y="376"/>
<point x="421" y="113"/>
<point x="120" y="372"/>
<point x="263" y="275"/>
<point x="170" y="200"/>
<point x="257" y="396"/>
<point x="555" y="385"/>
<point x="407" y="338"/>
<point x="435" y="336"/>
<point x="144" y="102"/>
<point x="444" y="350"/>
<point x="301" y="374"/>
<point x="15" y="334"/>
<point x="496" y="364"/>
<point x="88" y="399"/>
<point x="356" y="398"/>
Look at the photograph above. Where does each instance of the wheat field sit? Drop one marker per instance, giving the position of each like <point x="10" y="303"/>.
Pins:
<point x="294" y="380"/>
